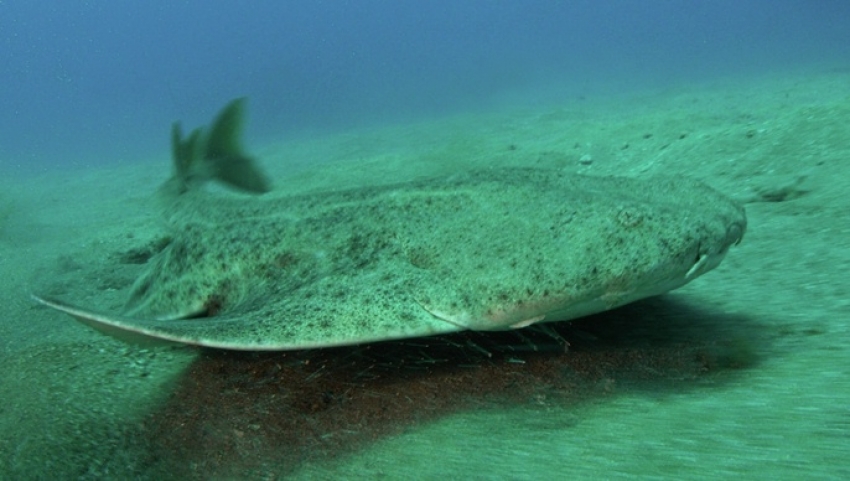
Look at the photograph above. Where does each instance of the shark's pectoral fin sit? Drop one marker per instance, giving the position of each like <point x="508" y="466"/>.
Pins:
<point x="114" y="326"/>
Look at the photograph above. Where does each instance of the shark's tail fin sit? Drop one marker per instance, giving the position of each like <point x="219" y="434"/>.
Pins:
<point x="215" y="154"/>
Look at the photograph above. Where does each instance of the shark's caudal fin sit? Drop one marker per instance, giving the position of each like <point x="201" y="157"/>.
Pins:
<point x="215" y="154"/>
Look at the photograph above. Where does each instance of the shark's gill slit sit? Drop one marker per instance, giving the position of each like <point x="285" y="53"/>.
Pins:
<point x="211" y="308"/>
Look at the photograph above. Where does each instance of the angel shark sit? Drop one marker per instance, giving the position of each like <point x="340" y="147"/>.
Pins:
<point x="493" y="249"/>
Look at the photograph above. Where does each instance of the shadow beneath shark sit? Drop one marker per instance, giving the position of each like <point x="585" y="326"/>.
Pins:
<point x="234" y="412"/>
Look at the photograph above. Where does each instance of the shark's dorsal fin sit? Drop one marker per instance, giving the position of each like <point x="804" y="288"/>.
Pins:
<point x="216" y="154"/>
<point x="224" y="135"/>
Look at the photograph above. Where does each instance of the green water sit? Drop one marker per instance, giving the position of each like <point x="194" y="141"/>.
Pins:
<point x="741" y="374"/>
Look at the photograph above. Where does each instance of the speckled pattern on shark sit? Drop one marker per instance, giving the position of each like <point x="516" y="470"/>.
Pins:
<point x="481" y="250"/>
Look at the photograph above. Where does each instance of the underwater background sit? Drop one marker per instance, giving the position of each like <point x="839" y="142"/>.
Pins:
<point x="741" y="374"/>
<point x="97" y="82"/>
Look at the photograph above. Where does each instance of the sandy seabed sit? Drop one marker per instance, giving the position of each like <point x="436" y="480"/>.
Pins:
<point x="741" y="374"/>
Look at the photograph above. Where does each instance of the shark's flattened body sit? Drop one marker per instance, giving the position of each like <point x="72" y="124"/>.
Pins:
<point x="483" y="250"/>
